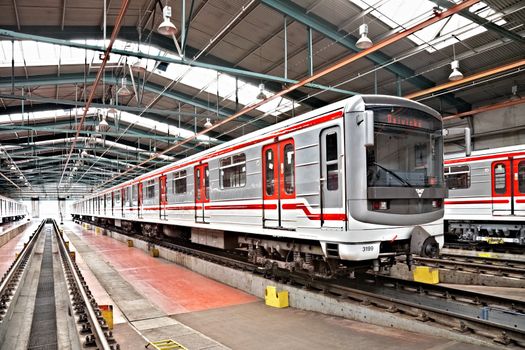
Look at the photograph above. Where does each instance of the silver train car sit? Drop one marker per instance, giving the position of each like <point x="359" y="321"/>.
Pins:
<point x="487" y="196"/>
<point x="11" y="210"/>
<point x="360" y="180"/>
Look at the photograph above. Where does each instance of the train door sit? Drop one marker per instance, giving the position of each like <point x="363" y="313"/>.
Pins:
<point x="163" y="199"/>
<point x="331" y="182"/>
<point x="139" y="209"/>
<point x="518" y="179"/>
<point x="202" y="192"/>
<point x="502" y="194"/>
<point x="279" y="185"/>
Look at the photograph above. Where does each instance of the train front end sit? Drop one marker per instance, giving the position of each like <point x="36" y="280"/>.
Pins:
<point x="394" y="183"/>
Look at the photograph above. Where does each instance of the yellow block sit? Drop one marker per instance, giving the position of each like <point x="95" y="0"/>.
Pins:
<point x="130" y="243"/>
<point x="72" y="255"/>
<point x="425" y="274"/>
<point x="97" y="230"/>
<point x="154" y="252"/>
<point x="67" y="245"/>
<point x="274" y="298"/>
<point x="167" y="344"/>
<point x="107" y="314"/>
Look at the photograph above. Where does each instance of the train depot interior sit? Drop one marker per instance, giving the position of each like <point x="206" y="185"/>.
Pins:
<point x="262" y="174"/>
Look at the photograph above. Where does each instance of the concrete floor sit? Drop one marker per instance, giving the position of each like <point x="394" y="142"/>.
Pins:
<point x="160" y="300"/>
<point x="256" y="326"/>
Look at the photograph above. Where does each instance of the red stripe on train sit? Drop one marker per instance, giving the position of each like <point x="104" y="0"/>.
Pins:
<point x="312" y="216"/>
<point x="486" y="157"/>
<point x="480" y="201"/>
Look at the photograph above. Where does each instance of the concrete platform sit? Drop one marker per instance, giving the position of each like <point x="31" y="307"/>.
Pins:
<point x="159" y="299"/>
<point x="14" y="243"/>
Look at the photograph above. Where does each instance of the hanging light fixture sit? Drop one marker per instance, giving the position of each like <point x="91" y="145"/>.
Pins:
<point x="139" y="66"/>
<point x="84" y="153"/>
<point x="167" y="27"/>
<point x="124" y="91"/>
<point x="208" y="123"/>
<point x="456" y="74"/>
<point x="261" y="95"/>
<point x="103" y="125"/>
<point x="364" y="41"/>
<point x="454" y="65"/>
<point x="12" y="167"/>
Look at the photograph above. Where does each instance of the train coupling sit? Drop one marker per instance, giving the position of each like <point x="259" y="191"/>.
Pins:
<point x="423" y="244"/>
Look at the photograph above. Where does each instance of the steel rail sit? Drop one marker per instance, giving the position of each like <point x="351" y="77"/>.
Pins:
<point x="499" y="270"/>
<point x="344" y="62"/>
<point x="23" y="255"/>
<point x="100" y="73"/>
<point x="97" y="330"/>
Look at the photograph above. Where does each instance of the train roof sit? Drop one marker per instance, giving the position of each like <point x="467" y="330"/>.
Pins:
<point x="354" y="103"/>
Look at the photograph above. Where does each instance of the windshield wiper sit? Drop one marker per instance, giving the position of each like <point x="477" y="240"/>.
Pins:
<point x="393" y="173"/>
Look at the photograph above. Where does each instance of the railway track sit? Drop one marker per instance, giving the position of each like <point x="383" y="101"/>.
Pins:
<point x="479" y="265"/>
<point x="485" y="248"/>
<point x="91" y="327"/>
<point x="483" y="316"/>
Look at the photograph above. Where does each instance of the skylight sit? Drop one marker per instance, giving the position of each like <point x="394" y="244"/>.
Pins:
<point x="128" y="118"/>
<point x="406" y="13"/>
<point x="33" y="53"/>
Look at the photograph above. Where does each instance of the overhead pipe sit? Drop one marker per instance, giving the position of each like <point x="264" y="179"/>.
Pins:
<point x="116" y="29"/>
<point x="345" y="61"/>
<point x="480" y="75"/>
<point x="504" y="104"/>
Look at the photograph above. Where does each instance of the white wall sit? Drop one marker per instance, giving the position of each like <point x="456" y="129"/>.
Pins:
<point x="50" y="209"/>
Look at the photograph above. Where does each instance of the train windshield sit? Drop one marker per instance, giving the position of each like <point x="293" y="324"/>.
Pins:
<point x="407" y="151"/>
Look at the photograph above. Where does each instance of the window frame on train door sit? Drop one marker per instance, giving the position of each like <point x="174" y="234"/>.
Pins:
<point x="502" y="203"/>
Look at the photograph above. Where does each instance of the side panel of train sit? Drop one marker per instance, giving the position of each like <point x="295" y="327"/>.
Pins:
<point x="227" y="190"/>
<point x="11" y="210"/>
<point x="487" y="196"/>
<point x="296" y="186"/>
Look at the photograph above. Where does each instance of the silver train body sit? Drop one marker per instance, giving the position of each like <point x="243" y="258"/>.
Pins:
<point x="334" y="183"/>
<point x="487" y="196"/>
<point x="11" y="210"/>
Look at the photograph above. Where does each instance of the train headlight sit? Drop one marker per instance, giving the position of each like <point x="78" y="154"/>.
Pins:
<point x="380" y="205"/>
<point x="436" y="203"/>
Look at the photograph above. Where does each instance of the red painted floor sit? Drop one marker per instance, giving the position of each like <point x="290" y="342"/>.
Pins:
<point x="172" y="288"/>
<point x="8" y="251"/>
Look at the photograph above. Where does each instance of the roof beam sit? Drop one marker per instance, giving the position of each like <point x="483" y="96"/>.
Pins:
<point x="348" y="41"/>
<point x="72" y="79"/>
<point x="159" y="115"/>
<point x="483" y="22"/>
<point x="130" y="34"/>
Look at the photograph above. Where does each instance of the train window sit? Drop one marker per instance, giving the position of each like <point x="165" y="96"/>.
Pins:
<point x="117" y="196"/>
<point x="178" y="185"/>
<point x="233" y="171"/>
<point x="270" y="172"/>
<point x="500" y="178"/>
<point x="332" y="163"/>
<point x="207" y="182"/>
<point x="149" y="189"/>
<point x="135" y="195"/>
<point x="457" y="177"/>
<point x="521" y="176"/>
<point x="198" y="184"/>
<point x="289" y="169"/>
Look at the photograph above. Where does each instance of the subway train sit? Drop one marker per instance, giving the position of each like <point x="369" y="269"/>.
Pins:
<point x="354" y="183"/>
<point x="11" y="210"/>
<point x="486" y="196"/>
